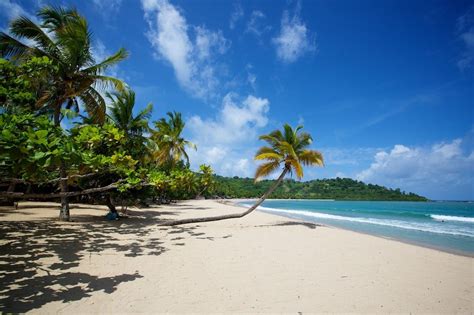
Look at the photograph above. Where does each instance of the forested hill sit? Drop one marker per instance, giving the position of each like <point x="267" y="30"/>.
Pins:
<point x="338" y="189"/>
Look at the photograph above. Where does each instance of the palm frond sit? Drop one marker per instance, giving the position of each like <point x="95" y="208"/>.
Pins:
<point x="272" y="156"/>
<point x="23" y="27"/>
<point x="103" y="82"/>
<point x="94" y="104"/>
<point x="266" y="169"/>
<point x="55" y="18"/>
<point x="265" y="149"/>
<point x="311" y="157"/>
<point x="145" y="114"/>
<point x="296" y="166"/>
<point x="190" y="144"/>
<point x="13" y="48"/>
<point x="288" y="149"/>
<point x="120" y="55"/>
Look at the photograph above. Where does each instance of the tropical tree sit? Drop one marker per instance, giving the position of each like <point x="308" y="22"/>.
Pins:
<point x="21" y="85"/>
<point x="288" y="151"/>
<point x="134" y="126"/>
<point x="121" y="113"/>
<point x="171" y="146"/>
<point x="64" y="37"/>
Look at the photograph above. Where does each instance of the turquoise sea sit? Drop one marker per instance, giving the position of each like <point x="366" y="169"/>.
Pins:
<point x="447" y="226"/>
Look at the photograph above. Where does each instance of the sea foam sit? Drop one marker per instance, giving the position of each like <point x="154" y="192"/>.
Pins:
<point x="451" y="218"/>
<point x="424" y="227"/>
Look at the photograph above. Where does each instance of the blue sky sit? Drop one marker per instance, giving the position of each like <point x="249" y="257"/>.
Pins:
<point x="385" y="87"/>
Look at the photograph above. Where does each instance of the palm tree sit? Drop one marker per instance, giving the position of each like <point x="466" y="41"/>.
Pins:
<point x="64" y="37"/>
<point x="288" y="151"/>
<point x="134" y="126"/>
<point x="171" y="145"/>
<point x="121" y="113"/>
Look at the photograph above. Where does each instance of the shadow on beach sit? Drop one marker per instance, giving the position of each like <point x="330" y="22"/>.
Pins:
<point x="37" y="256"/>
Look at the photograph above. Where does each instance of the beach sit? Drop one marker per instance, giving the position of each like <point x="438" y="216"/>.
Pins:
<point x="260" y="263"/>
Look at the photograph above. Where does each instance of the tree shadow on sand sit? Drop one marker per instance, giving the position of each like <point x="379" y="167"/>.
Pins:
<point x="36" y="257"/>
<point x="309" y="225"/>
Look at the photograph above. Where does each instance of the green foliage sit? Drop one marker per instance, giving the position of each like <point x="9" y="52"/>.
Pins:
<point x="338" y="189"/>
<point x="64" y="37"/>
<point x="206" y="180"/>
<point x="32" y="147"/>
<point x="21" y="85"/>
<point x="100" y="148"/>
<point x="50" y="79"/>
<point x="134" y="126"/>
<point x="171" y="146"/>
<point x="182" y="183"/>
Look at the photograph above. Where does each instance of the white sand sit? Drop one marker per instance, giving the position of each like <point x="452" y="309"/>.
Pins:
<point x="261" y="263"/>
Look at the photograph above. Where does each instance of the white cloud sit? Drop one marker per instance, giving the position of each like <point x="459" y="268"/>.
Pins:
<point x="12" y="10"/>
<point x="441" y="171"/>
<point x="108" y="6"/>
<point x="226" y="141"/>
<point x="256" y="25"/>
<point x="209" y="43"/>
<point x="294" y="39"/>
<point x="251" y="77"/>
<point x="236" y="15"/>
<point x="465" y="26"/>
<point x="193" y="61"/>
<point x="236" y="122"/>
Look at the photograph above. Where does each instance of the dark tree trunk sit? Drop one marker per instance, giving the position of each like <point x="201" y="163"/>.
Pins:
<point x="233" y="215"/>
<point x="11" y="189"/>
<point x="64" y="214"/>
<point x="109" y="201"/>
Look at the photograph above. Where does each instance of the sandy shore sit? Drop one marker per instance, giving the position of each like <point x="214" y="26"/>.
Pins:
<point x="261" y="263"/>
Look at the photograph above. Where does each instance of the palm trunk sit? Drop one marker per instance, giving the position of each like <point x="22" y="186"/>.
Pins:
<point x="233" y="215"/>
<point x="64" y="214"/>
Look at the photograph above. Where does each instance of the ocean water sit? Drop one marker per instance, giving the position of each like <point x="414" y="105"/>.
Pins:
<point x="447" y="226"/>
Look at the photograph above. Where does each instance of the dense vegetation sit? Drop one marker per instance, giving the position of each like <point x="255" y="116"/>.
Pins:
<point x="338" y="189"/>
<point x="59" y="139"/>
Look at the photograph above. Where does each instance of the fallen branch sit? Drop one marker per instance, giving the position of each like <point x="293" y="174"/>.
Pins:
<point x="23" y="181"/>
<point x="19" y="195"/>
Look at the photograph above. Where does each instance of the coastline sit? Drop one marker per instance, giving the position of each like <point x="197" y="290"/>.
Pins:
<point x="260" y="263"/>
<point x="236" y="202"/>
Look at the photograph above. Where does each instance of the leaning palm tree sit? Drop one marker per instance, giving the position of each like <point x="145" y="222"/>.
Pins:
<point x="171" y="145"/>
<point x="64" y="37"/>
<point x="286" y="151"/>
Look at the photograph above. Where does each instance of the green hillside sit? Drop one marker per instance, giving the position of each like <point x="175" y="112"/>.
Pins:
<point x="339" y="189"/>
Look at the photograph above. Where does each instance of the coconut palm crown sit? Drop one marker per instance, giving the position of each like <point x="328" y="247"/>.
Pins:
<point x="64" y="37"/>
<point x="287" y="149"/>
<point x="171" y="145"/>
<point x="121" y="113"/>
